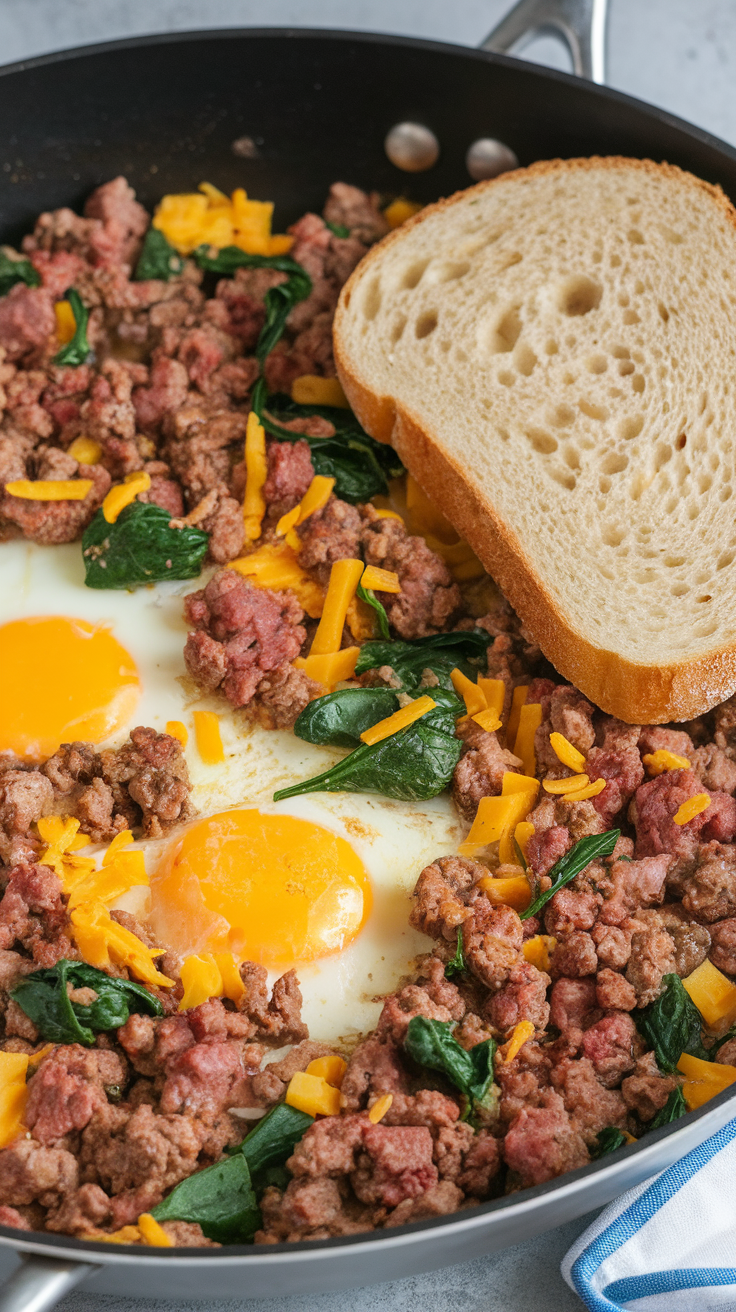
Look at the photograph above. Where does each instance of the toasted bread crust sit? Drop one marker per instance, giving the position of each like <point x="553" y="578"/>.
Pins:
<point x="634" y="692"/>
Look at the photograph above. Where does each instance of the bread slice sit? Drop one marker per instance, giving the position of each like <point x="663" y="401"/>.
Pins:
<point x="553" y="355"/>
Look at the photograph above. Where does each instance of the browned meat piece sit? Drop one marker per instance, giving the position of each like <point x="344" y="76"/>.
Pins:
<point x="281" y="697"/>
<point x="614" y="992"/>
<point x="492" y="939"/>
<point x="32" y="914"/>
<point x="480" y="1166"/>
<point x="400" y="1008"/>
<point x="374" y="1068"/>
<point x="571" y="909"/>
<point x="724" y="726"/>
<point x="351" y="208"/>
<point x="524" y="1080"/>
<point x="199" y="434"/>
<point x="652" y="957"/>
<point x="523" y="997"/>
<point x="657" y="801"/>
<point x="11" y="1217"/>
<point x="395" y="1164"/>
<point x="151" y="770"/>
<point x="574" y="956"/>
<point x="27" y="320"/>
<point x="439" y="1200"/>
<point x="220" y="515"/>
<point x="108" y="415"/>
<point x="723" y="945"/>
<point x="124" y="1152"/>
<point x="30" y="1173"/>
<point x="655" y="738"/>
<point x="710" y="891"/>
<point x="429" y="600"/>
<point x="546" y="846"/>
<point x="647" y="1090"/>
<point x="571" y="715"/>
<point x="85" y="1209"/>
<point x="726" y="1054"/>
<point x="164" y="490"/>
<point x="290" y="472"/>
<point x="311" y="1209"/>
<point x="329" y="1146"/>
<point x="269" y="1085"/>
<point x="617" y="761"/>
<point x="441" y="896"/>
<point x="714" y="769"/>
<point x="330" y="534"/>
<point x="480" y="770"/>
<point x="278" y="1019"/>
<point x="613" y="944"/>
<point x="123" y="221"/>
<point x="591" y="1106"/>
<point x="542" y="1142"/>
<point x="18" y="1024"/>
<point x="25" y="795"/>
<point x="68" y="1087"/>
<point x="692" y="941"/>
<point x="165" y="393"/>
<point x="73" y="763"/>
<point x="256" y="632"/>
<point x="573" y="1005"/>
<point x="612" y="1046"/>
<point x="631" y="885"/>
<point x="428" y="1107"/>
<point x="557" y="825"/>
<point x="52" y="522"/>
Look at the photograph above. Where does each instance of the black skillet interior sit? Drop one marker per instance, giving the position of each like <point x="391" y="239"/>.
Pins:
<point x="166" y="111"/>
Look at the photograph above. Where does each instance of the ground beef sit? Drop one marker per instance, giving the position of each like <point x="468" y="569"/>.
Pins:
<point x="652" y="957"/>
<point x="150" y="771"/>
<point x="30" y="1172"/>
<point x="709" y="893"/>
<point x="723" y="945"/>
<point x="591" y="1106"/>
<point x="523" y="997"/>
<point x="33" y="916"/>
<point x="657" y="801"/>
<point x="492" y="939"/>
<point x="241" y="634"/>
<point x="541" y="1142"/>
<point x="290" y="472"/>
<point x="480" y="770"/>
<point x="67" y="1088"/>
<point x="429" y="600"/>
<point x="330" y="534"/>
<point x="616" y="760"/>
<point x="441" y="896"/>
<point x="647" y="1090"/>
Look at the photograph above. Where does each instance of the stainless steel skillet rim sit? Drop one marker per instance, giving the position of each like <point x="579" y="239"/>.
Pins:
<point x="525" y="1201"/>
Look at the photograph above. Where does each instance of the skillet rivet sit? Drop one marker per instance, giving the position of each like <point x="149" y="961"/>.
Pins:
<point x="412" y="147"/>
<point x="486" y="158"/>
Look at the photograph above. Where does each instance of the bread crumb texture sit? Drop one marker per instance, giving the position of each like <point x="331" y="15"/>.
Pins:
<point x="553" y="354"/>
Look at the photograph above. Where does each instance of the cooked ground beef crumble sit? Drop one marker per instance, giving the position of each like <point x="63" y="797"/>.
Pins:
<point x="112" y="1128"/>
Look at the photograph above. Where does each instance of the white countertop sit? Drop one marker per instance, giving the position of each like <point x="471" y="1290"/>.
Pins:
<point x="679" y="54"/>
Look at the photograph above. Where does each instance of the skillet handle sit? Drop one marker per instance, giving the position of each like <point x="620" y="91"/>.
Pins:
<point x="580" y="24"/>
<point x="40" y="1282"/>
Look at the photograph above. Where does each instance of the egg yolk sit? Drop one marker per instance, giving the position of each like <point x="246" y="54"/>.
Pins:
<point x="62" y="679"/>
<point x="271" y="888"/>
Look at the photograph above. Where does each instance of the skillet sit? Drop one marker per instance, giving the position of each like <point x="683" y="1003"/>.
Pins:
<point x="285" y="113"/>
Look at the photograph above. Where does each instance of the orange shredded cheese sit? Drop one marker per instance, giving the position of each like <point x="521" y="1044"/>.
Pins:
<point x="400" y="719"/>
<point x="573" y="783"/>
<point x="209" y="739"/>
<point x="66" y="324"/>
<point x="211" y="218"/>
<point x="388" y="514"/>
<point x="566" y="753"/>
<point x="380" y="580"/>
<point x="13" y="1095"/>
<point x="308" y="389"/>
<point x="519" y="783"/>
<point x="523" y="832"/>
<point x="153" y="1233"/>
<point x="232" y="985"/>
<point x="256" y="471"/>
<point x="312" y="1094"/>
<point x="487" y="720"/>
<point x="344" y="578"/>
<point x="518" y="698"/>
<point x="703" y="1079"/>
<point x="102" y="941"/>
<point x="469" y="691"/>
<point x="507" y="890"/>
<point x="50" y="489"/>
<point x="590" y="790"/>
<point x="85" y="450"/>
<point x="201" y="979"/>
<point x="175" y="729"/>
<point x="661" y="760"/>
<point x="522" y="1033"/>
<point x="713" y="993"/>
<point x="331" y="1068"/>
<point x="334" y="667"/>
<point x="124" y="493"/>
<point x="400" y="210"/>
<point x="530" y="718"/>
<point x="315" y="498"/>
<point x="694" y="806"/>
<point x="538" y="950"/>
<point x="494" y="815"/>
<point x="275" y="566"/>
<point x="377" y="1112"/>
<point x="494" y="691"/>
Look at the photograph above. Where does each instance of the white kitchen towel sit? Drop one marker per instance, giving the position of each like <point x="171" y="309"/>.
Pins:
<point x="668" y="1245"/>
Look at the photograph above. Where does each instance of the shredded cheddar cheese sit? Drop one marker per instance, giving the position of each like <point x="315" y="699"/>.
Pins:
<point x="694" y="806"/>
<point x="309" y="389"/>
<point x="209" y="739"/>
<point x="523" y="832"/>
<point x="331" y="1069"/>
<point x="256" y="471"/>
<point x="153" y="1233"/>
<point x="400" y="719"/>
<point x="102" y="942"/>
<point x="175" y="729"/>
<point x="713" y="993"/>
<point x="380" y="580"/>
<point x="703" y="1079"/>
<point x="383" y="1104"/>
<point x="566" y="753"/>
<point x="523" y="1032"/>
<point x="124" y="493"/>
<point x="530" y="718"/>
<point x="13" y="1095"/>
<point x="573" y="783"/>
<point x="519" y="783"/>
<point x="231" y="983"/>
<point x="344" y="578"/>
<point x="66" y="324"/>
<point x="201" y="979"/>
<point x="333" y="668"/>
<point x="211" y="218"/>
<point x="275" y="566"/>
<point x="494" y="691"/>
<point x="661" y="760"/>
<point x="389" y="514"/>
<point x="494" y="815"/>
<point x="50" y="489"/>
<point x="487" y="720"/>
<point x="312" y="1094"/>
<point x="538" y="950"/>
<point x="400" y="210"/>
<point x="315" y="498"/>
<point x="85" y="450"/>
<point x="518" y="699"/>
<point x="471" y="694"/>
<point x="590" y="790"/>
<point x="507" y="890"/>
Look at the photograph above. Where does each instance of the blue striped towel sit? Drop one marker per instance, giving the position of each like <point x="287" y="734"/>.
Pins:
<point x="670" y="1244"/>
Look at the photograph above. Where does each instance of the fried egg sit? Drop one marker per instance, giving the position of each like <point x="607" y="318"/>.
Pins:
<point x="320" y="883"/>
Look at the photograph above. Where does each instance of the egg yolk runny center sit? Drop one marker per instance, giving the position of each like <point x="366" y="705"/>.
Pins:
<point x="271" y="888"/>
<point x="62" y="679"/>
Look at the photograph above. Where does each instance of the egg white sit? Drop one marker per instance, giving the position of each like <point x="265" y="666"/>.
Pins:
<point x="394" y="840"/>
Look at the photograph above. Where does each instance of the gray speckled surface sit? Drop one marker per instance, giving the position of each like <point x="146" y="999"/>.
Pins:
<point x="679" y="54"/>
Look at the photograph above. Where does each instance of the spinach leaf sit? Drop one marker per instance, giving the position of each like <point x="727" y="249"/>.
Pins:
<point x="718" y="1044"/>
<point x="158" y="258"/>
<point x="220" y="1198"/>
<point x="339" y="229"/>
<point x="441" y="652"/>
<point x="369" y="597"/>
<point x="674" y="1108"/>
<point x="412" y="765"/>
<point x="456" y="963"/>
<point x="672" y="1025"/>
<point x="571" y="864"/>
<point x="272" y="1141"/>
<point x="430" y="1044"/>
<point x="608" y="1141"/>
<point x="339" y="718"/>
<point x="16" y="270"/>
<point x="77" y="351"/>
<point x="279" y="300"/>
<point x="139" y="548"/>
<point x="43" y="997"/>
<point x="360" y="466"/>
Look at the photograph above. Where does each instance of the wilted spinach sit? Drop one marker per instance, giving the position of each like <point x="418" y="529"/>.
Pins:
<point x="441" y="653"/>
<point x="271" y="1142"/>
<point x="44" y="999"/>
<point x="17" y="270"/>
<point x="412" y="765"/>
<point x="77" y="351"/>
<point x="430" y="1044"/>
<point x="571" y="864"/>
<point x="339" y="718"/>
<point x="674" y="1108"/>
<point x="158" y="258"/>
<point x="369" y="597"/>
<point x="140" y="547"/>
<point x="339" y="229"/>
<point x="672" y="1025"/>
<point x="220" y="1199"/>
<point x="608" y="1140"/>
<point x="456" y="963"/>
<point x="279" y="300"/>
